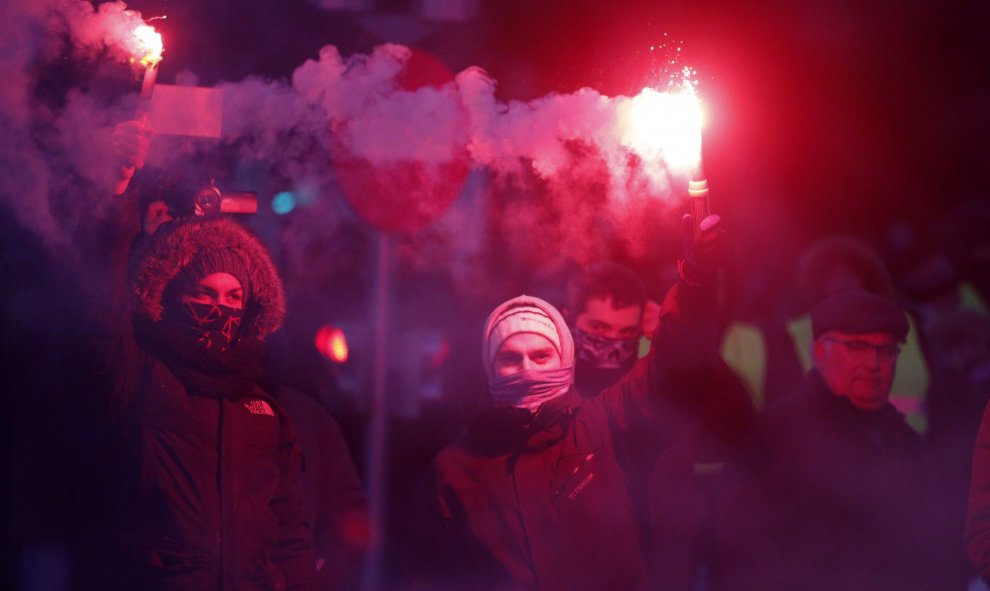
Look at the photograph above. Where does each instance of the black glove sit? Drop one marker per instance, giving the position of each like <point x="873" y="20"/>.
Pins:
<point x="706" y="250"/>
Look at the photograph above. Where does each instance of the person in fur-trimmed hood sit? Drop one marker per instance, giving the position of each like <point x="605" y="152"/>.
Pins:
<point x="207" y="492"/>
<point x="206" y="294"/>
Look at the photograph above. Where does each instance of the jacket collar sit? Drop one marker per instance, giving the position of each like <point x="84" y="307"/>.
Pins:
<point x="818" y="393"/>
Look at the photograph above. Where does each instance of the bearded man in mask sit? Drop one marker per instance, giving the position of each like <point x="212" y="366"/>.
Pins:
<point x="671" y="485"/>
<point x="208" y="494"/>
<point x="534" y="491"/>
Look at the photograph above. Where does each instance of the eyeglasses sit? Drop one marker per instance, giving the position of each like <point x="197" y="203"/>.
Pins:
<point x="862" y="348"/>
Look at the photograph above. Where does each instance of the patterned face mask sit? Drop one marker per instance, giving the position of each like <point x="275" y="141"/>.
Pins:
<point x="603" y="353"/>
<point x="214" y="326"/>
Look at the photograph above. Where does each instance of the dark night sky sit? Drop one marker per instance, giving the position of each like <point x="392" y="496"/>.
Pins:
<point x="822" y="115"/>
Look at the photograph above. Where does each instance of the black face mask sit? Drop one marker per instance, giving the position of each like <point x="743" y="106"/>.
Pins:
<point x="603" y="353"/>
<point x="213" y="326"/>
<point x="600" y="362"/>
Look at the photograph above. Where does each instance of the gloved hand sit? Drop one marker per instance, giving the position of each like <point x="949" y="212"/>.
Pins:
<point x="131" y="140"/>
<point x="706" y="251"/>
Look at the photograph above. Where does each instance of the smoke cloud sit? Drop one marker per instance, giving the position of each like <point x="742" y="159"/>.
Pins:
<point x="556" y="180"/>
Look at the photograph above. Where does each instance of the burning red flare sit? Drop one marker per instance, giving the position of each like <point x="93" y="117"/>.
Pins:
<point x="148" y="46"/>
<point x="665" y="126"/>
<point x="147" y="49"/>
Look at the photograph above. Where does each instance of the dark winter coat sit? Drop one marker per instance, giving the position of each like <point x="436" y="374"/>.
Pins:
<point x="210" y="495"/>
<point x="843" y="498"/>
<point x="551" y="510"/>
<point x="978" y="509"/>
<point x="335" y="499"/>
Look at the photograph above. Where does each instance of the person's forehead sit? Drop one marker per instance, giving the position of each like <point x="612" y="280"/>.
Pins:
<point x="874" y="338"/>
<point x="220" y="281"/>
<point x="526" y="341"/>
<point x="602" y="310"/>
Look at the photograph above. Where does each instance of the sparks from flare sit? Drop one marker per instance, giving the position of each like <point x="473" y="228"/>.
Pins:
<point x="665" y="126"/>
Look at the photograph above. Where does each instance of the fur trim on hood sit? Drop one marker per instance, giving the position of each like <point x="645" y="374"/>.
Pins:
<point x="173" y="249"/>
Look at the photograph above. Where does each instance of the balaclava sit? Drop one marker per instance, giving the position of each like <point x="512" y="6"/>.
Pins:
<point x="187" y="251"/>
<point x="532" y="388"/>
<point x="177" y="257"/>
<point x="190" y="249"/>
<point x="213" y="326"/>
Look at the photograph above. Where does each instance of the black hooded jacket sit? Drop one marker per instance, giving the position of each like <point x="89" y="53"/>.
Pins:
<point x="209" y="494"/>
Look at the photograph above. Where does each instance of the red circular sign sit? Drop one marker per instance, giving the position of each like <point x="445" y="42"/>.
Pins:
<point x="403" y="196"/>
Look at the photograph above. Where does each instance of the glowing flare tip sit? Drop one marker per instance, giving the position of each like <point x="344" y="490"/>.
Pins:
<point x="149" y="44"/>
<point x="665" y="125"/>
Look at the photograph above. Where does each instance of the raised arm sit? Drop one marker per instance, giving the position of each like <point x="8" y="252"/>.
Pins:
<point x="667" y="385"/>
<point x="103" y="242"/>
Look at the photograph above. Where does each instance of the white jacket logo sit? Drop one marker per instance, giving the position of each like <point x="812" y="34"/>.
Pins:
<point x="259" y="407"/>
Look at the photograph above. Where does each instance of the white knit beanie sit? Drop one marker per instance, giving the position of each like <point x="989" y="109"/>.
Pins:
<point x="526" y="314"/>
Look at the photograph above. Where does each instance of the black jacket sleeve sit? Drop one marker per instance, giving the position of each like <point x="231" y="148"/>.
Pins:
<point x="103" y="247"/>
<point x="667" y="385"/>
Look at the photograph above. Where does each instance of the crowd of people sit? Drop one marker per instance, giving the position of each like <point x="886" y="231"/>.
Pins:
<point x="619" y="442"/>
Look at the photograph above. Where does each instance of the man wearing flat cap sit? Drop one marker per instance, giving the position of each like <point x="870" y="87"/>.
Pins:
<point x="857" y="337"/>
<point x="842" y="495"/>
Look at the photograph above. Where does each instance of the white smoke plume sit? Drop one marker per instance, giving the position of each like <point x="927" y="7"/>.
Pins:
<point x="55" y="135"/>
<point x="564" y="180"/>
